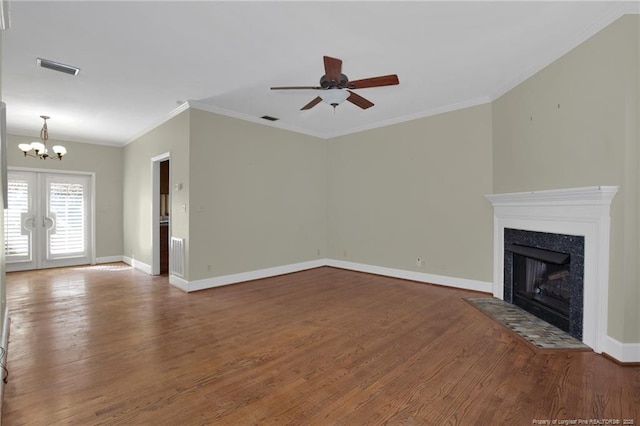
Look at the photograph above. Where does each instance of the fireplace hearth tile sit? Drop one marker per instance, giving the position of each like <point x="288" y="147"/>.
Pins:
<point x="537" y="332"/>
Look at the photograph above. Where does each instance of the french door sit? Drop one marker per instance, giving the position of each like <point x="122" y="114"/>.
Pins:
<point x="48" y="220"/>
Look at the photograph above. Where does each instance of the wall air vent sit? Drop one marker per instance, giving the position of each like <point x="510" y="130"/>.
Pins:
<point x="267" y="117"/>
<point x="57" y="66"/>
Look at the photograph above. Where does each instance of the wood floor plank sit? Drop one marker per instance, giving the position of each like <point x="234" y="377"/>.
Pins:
<point x="109" y="345"/>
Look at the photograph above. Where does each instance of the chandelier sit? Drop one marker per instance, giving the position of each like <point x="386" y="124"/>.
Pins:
<point x="40" y="148"/>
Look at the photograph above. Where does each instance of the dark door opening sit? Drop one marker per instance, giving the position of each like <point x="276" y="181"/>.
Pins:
<point x="164" y="217"/>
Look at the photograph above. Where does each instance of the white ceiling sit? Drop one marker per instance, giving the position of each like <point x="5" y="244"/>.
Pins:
<point x="140" y="60"/>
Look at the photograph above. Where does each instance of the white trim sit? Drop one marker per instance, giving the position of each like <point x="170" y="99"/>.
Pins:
<point x="3" y="135"/>
<point x="586" y="196"/>
<point x="64" y="138"/>
<point x="141" y="266"/>
<point x="203" y="284"/>
<point x="5" y="16"/>
<point x="171" y="114"/>
<point x="109" y="259"/>
<point x="622" y="352"/>
<point x="94" y="246"/>
<point x="155" y="210"/>
<point x="45" y="170"/>
<point x="468" y="103"/>
<point x="180" y="283"/>
<point x="462" y="283"/>
<point x="4" y="342"/>
<point x="397" y="120"/>
<point x="573" y="211"/>
<point x="246" y="117"/>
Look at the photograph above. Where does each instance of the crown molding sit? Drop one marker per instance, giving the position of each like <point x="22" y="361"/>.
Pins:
<point x="411" y="117"/>
<point x="30" y="134"/>
<point x="171" y="114"/>
<point x="326" y="136"/>
<point x="246" y="117"/>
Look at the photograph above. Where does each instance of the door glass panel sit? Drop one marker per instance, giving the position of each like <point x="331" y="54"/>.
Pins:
<point x="67" y="212"/>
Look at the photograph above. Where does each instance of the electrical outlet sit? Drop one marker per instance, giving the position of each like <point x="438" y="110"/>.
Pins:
<point x="344" y="254"/>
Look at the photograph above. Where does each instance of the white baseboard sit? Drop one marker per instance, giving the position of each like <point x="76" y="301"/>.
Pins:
<point x="109" y="259"/>
<point x="180" y="283"/>
<point x="463" y="283"/>
<point x="622" y="352"/>
<point x="4" y="343"/>
<point x="137" y="264"/>
<point x="203" y="284"/>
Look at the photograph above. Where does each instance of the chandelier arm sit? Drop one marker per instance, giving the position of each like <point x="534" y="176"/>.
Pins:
<point x="40" y="148"/>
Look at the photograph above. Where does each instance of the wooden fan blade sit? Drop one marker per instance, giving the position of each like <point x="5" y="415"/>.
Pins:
<point x="359" y="100"/>
<point x="383" y="80"/>
<point x="297" y="88"/>
<point x="332" y="68"/>
<point x="311" y="104"/>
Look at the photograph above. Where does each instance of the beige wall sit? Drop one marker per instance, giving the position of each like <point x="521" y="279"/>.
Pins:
<point x="415" y="190"/>
<point x="171" y="137"/>
<point x="105" y="162"/>
<point x="257" y="196"/>
<point x="575" y="124"/>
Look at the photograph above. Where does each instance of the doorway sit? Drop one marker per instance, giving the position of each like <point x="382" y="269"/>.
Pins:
<point x="48" y="220"/>
<point x="160" y="213"/>
<point x="164" y="217"/>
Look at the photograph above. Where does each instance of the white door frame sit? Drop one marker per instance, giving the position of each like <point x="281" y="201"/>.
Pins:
<point x="155" y="210"/>
<point x="92" y="199"/>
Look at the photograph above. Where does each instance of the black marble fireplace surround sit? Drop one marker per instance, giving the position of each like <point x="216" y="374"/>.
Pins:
<point x="565" y="251"/>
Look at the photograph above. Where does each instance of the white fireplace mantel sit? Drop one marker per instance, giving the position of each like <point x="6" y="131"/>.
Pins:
<point x="573" y="211"/>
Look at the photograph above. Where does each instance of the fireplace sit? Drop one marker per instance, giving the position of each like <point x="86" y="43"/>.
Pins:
<point x="543" y="274"/>
<point x="582" y="212"/>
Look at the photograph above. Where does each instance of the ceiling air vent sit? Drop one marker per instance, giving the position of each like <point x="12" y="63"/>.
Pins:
<point x="57" y="66"/>
<point x="267" y="117"/>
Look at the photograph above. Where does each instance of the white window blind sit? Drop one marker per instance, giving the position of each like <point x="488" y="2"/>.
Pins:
<point x="15" y="243"/>
<point x="66" y="203"/>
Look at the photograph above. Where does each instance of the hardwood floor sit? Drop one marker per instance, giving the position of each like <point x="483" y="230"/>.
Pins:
<point x="110" y="345"/>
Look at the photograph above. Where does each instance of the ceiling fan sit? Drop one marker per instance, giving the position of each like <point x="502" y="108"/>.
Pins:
<point x="337" y="88"/>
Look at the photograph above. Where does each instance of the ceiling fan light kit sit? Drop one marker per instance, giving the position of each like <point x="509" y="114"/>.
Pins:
<point x="334" y="97"/>
<point x="40" y="148"/>
<point x="336" y="87"/>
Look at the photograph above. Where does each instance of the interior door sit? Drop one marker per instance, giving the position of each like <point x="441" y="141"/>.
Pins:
<point x="48" y="220"/>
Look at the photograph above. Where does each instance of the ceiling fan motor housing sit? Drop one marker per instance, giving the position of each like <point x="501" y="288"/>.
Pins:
<point x="325" y="83"/>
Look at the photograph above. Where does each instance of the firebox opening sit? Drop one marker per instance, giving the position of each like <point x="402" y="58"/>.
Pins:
<point x="549" y="271"/>
<point x="541" y="283"/>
